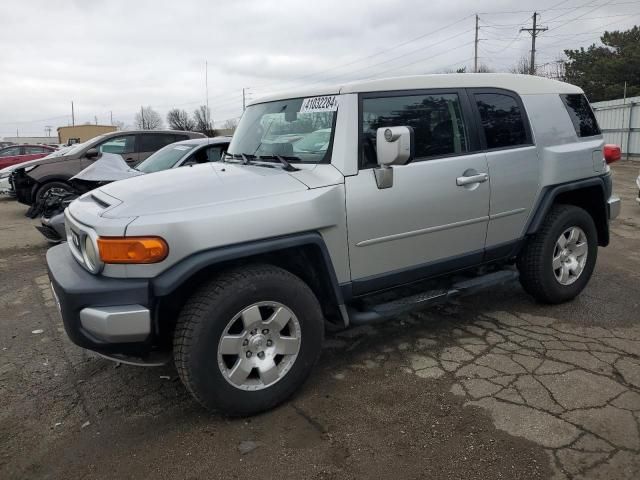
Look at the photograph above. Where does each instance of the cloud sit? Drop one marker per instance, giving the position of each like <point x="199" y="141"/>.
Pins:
<point x="116" y="55"/>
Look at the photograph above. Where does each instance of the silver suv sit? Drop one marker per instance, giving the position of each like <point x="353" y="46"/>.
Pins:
<point x="326" y="198"/>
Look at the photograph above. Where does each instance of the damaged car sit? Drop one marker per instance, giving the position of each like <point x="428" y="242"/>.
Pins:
<point x="112" y="167"/>
<point x="37" y="178"/>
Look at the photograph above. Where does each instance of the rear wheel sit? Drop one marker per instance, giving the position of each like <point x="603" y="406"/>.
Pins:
<point x="557" y="262"/>
<point x="248" y="339"/>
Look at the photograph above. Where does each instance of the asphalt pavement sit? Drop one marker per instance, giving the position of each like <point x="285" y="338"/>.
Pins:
<point x="493" y="386"/>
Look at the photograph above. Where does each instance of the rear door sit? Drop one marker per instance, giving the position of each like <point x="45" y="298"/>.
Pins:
<point x="505" y="135"/>
<point x="149" y="143"/>
<point x="33" y="152"/>
<point x="123" y="145"/>
<point x="431" y="220"/>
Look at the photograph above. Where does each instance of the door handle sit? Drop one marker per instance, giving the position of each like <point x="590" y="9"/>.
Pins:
<point x="479" y="178"/>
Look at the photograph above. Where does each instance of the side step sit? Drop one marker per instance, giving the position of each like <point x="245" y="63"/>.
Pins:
<point x="384" y="311"/>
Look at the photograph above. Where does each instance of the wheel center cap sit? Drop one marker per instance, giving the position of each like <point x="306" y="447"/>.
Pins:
<point x="257" y="342"/>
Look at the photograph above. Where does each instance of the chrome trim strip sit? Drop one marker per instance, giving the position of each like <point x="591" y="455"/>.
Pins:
<point x="123" y="323"/>
<point x="506" y="214"/>
<point x="422" y="231"/>
<point x="614" y="205"/>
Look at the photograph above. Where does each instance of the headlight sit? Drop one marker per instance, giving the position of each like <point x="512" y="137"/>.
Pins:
<point x="90" y="255"/>
<point x="28" y="169"/>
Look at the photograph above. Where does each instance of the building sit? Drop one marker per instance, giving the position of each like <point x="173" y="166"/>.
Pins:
<point x="620" y="123"/>
<point x="82" y="133"/>
<point x="32" y="140"/>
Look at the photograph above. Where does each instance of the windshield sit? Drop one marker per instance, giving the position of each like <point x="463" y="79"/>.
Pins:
<point x="165" y="158"/>
<point x="297" y="129"/>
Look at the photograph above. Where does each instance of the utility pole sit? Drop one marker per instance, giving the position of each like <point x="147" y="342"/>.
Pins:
<point x="535" y="31"/>
<point x="244" y="101"/>
<point x="111" y="116"/>
<point x="73" y="116"/>
<point x="48" y="130"/>
<point x="142" y="117"/>
<point x="475" y="56"/>
<point x="95" y="117"/>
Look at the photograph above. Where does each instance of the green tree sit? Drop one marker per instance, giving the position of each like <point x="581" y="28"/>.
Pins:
<point x="602" y="70"/>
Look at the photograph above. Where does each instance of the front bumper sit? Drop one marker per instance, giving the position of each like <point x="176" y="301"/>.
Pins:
<point x="22" y="186"/>
<point x="106" y="315"/>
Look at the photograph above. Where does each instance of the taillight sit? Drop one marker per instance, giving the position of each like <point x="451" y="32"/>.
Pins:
<point x="612" y="153"/>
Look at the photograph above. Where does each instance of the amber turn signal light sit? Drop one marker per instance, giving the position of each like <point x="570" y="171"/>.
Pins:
<point x="132" y="249"/>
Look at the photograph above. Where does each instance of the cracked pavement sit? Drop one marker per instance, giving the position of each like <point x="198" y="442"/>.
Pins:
<point x="494" y="386"/>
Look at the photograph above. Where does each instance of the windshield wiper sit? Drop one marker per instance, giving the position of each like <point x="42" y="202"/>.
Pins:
<point x="287" y="166"/>
<point x="246" y="157"/>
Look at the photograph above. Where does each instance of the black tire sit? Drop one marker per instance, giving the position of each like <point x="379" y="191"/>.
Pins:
<point x="44" y="188"/>
<point x="205" y="317"/>
<point x="535" y="261"/>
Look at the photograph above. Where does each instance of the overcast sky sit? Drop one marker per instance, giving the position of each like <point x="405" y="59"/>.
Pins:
<point x="113" y="56"/>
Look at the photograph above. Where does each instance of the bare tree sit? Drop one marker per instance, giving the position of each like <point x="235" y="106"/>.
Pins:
<point x="204" y="124"/>
<point x="180" y="120"/>
<point x="230" y="124"/>
<point x="119" y="124"/>
<point x="522" y="66"/>
<point x="483" y="68"/>
<point x="148" y="119"/>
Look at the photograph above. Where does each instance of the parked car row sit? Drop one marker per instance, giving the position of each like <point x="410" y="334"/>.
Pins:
<point x="324" y="200"/>
<point x="111" y="167"/>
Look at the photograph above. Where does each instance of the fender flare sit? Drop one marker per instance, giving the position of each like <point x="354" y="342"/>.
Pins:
<point x="550" y="193"/>
<point x="169" y="280"/>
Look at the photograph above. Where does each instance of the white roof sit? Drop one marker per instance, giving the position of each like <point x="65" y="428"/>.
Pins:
<point x="522" y="84"/>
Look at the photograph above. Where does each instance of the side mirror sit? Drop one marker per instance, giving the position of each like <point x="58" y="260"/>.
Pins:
<point x="394" y="146"/>
<point x="92" y="153"/>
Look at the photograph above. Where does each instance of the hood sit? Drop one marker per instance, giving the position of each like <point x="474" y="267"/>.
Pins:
<point x="39" y="161"/>
<point x="196" y="186"/>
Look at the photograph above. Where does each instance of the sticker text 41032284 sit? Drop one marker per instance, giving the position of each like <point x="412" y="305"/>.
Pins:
<point x="319" y="104"/>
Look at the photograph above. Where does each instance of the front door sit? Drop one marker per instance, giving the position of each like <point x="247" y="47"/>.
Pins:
<point x="434" y="217"/>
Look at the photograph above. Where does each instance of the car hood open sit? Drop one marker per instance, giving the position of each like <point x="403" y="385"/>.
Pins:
<point x="196" y="186"/>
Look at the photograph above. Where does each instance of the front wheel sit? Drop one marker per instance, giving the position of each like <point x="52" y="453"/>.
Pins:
<point x="557" y="262"/>
<point x="247" y="340"/>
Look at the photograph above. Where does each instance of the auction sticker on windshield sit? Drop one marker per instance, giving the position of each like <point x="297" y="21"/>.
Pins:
<point x="319" y="104"/>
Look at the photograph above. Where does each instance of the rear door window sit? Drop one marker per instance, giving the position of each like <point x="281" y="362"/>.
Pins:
<point x="35" y="150"/>
<point x="582" y="116"/>
<point x="436" y="119"/>
<point x="502" y="120"/>
<point x="150" y="142"/>
<point x="119" y="145"/>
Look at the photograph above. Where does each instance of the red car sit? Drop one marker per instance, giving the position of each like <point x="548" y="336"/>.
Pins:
<point x="22" y="153"/>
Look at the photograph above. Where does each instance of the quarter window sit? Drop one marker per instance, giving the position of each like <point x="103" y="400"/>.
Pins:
<point x="502" y="120"/>
<point x="153" y="142"/>
<point x="582" y="117"/>
<point x="436" y="120"/>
